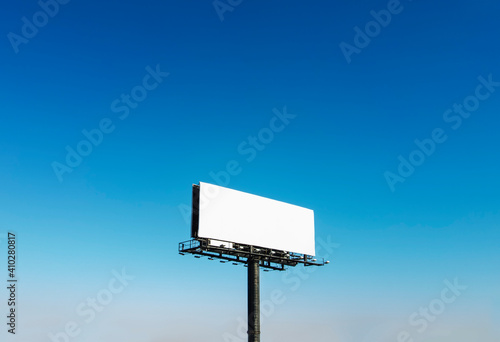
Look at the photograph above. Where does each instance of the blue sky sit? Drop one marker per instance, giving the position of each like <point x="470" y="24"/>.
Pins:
<point x="394" y="146"/>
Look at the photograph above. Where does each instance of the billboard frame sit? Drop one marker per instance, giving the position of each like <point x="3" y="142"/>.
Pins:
<point x="239" y="217"/>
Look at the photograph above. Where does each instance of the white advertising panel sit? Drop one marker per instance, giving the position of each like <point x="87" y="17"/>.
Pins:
<point x="235" y="216"/>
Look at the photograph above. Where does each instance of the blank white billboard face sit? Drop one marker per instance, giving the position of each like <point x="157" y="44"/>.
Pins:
<point x="235" y="216"/>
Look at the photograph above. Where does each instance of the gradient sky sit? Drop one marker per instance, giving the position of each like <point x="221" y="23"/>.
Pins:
<point x="356" y="118"/>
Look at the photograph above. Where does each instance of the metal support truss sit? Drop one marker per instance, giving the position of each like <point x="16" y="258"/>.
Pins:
<point x="269" y="259"/>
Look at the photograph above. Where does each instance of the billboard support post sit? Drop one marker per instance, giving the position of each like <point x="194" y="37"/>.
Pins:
<point x="253" y="301"/>
<point x="253" y="258"/>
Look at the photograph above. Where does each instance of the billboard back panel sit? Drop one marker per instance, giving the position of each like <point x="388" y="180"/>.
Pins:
<point x="235" y="216"/>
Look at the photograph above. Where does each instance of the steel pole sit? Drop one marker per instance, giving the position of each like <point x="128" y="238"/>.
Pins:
<point x="253" y="301"/>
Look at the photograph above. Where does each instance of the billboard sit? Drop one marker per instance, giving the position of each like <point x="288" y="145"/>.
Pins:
<point x="229" y="215"/>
